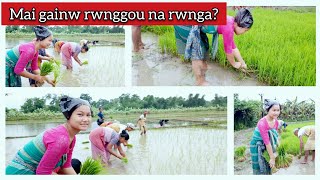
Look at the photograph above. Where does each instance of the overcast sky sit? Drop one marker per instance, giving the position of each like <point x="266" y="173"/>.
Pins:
<point x="16" y="98"/>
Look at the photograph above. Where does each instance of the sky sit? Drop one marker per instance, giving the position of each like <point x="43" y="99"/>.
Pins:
<point x="281" y="96"/>
<point x="17" y="97"/>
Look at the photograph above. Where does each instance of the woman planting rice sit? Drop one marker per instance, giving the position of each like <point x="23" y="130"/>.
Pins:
<point x="308" y="131"/>
<point x="265" y="137"/>
<point x="71" y="50"/>
<point x="53" y="148"/>
<point x="103" y="139"/>
<point x="193" y="43"/>
<point x="25" y="55"/>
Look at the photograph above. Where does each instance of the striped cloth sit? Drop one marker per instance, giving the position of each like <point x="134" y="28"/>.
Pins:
<point x="27" y="159"/>
<point x="259" y="165"/>
<point x="12" y="57"/>
<point x="193" y="43"/>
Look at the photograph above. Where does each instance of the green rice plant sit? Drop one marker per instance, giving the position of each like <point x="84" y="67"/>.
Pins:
<point x="46" y="68"/>
<point x="85" y="142"/>
<point x="283" y="159"/>
<point x="239" y="153"/>
<point x="85" y="62"/>
<point x="91" y="167"/>
<point x="125" y="160"/>
<point x="86" y="148"/>
<point x="129" y="145"/>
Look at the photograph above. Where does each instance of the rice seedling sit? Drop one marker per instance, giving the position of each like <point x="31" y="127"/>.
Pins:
<point x="283" y="159"/>
<point x="85" y="142"/>
<point x="46" y="68"/>
<point x="91" y="167"/>
<point x="239" y="153"/>
<point x="86" y="148"/>
<point x="85" y="62"/>
<point x="125" y="160"/>
<point x="129" y="145"/>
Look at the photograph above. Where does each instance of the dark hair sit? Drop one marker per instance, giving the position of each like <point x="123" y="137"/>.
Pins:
<point x="85" y="47"/>
<point x="76" y="164"/>
<point x="124" y="135"/>
<point x="54" y="41"/>
<point x="244" y="18"/>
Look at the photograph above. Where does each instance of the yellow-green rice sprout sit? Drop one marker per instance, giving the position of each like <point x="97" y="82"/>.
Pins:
<point x="283" y="159"/>
<point x="239" y="153"/>
<point x="91" y="167"/>
<point x="46" y="68"/>
<point x="125" y="160"/>
<point x="85" y="62"/>
<point x="129" y="145"/>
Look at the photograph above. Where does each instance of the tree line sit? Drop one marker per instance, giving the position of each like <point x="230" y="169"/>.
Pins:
<point x="69" y="29"/>
<point x="248" y="112"/>
<point x="50" y="102"/>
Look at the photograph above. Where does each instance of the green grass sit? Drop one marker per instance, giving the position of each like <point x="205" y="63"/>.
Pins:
<point x="280" y="47"/>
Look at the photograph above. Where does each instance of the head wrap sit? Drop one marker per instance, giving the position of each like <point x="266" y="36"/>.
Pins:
<point x="244" y="18"/>
<point x="68" y="105"/>
<point x="41" y="32"/>
<point x="269" y="103"/>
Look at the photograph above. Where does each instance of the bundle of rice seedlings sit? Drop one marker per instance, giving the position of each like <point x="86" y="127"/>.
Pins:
<point x="129" y="145"/>
<point x="91" y="167"/>
<point x="283" y="159"/>
<point x="46" y="68"/>
<point x="239" y="153"/>
<point x="85" y="62"/>
<point x="125" y="160"/>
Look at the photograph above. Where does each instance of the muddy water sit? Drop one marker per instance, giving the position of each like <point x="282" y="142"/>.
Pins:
<point x="161" y="151"/>
<point x="150" y="67"/>
<point x="105" y="68"/>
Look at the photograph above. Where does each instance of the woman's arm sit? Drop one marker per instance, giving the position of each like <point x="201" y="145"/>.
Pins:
<point x="109" y="149"/>
<point x="233" y="63"/>
<point x="271" y="155"/>
<point x="35" y="77"/>
<point x="77" y="60"/>
<point x="121" y="151"/>
<point x="238" y="56"/>
<point x="301" y="144"/>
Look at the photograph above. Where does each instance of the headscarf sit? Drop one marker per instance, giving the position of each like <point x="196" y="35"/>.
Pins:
<point x="69" y="104"/>
<point x="41" y="32"/>
<point x="268" y="103"/>
<point x="244" y="18"/>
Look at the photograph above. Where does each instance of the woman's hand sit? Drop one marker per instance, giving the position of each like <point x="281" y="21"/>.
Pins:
<point x="272" y="162"/>
<point x="244" y="65"/>
<point x="39" y="79"/>
<point x="236" y="65"/>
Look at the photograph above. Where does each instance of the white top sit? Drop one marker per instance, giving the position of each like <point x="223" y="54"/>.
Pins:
<point x="142" y="116"/>
<point x="302" y="130"/>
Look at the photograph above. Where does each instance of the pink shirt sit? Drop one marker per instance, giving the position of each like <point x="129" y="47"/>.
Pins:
<point x="227" y="32"/>
<point x="264" y="128"/>
<point x="27" y="53"/>
<point x="57" y="143"/>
